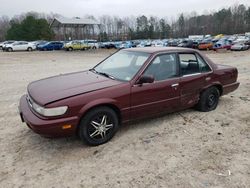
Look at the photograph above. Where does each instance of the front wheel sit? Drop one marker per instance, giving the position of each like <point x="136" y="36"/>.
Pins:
<point x="98" y="126"/>
<point x="209" y="99"/>
<point x="9" y="49"/>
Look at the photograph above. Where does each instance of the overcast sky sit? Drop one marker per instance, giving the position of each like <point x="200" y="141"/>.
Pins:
<point x="73" y="8"/>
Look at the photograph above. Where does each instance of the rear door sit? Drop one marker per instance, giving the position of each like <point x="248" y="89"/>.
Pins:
<point x="163" y="95"/>
<point x="194" y="75"/>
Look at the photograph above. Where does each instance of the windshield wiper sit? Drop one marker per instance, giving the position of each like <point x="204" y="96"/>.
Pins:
<point x="102" y="73"/>
<point x="107" y="75"/>
<point x="93" y="70"/>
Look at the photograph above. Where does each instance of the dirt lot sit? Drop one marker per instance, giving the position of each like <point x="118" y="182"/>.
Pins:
<point x="186" y="149"/>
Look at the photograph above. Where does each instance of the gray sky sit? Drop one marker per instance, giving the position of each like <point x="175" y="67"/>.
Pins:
<point x="72" y="8"/>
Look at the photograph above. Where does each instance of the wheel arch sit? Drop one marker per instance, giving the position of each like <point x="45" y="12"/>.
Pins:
<point x="103" y="103"/>
<point x="220" y="88"/>
<point x="217" y="85"/>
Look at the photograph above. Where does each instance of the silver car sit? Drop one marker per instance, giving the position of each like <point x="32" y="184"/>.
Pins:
<point x="239" y="47"/>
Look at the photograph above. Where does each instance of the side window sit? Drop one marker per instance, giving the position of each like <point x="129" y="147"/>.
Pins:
<point x="188" y="64"/>
<point x="163" y="67"/>
<point x="203" y="65"/>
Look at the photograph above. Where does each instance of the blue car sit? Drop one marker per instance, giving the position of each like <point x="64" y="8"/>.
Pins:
<point x="50" y="46"/>
<point x="125" y="44"/>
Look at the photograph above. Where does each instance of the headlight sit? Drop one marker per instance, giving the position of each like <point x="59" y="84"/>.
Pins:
<point x="57" y="111"/>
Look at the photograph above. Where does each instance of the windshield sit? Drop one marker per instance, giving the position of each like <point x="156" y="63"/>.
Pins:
<point x="122" y="65"/>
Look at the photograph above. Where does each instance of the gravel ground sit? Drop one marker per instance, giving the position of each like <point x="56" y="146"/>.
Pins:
<point x="184" y="149"/>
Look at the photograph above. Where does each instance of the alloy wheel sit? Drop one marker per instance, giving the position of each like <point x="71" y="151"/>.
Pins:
<point x="100" y="126"/>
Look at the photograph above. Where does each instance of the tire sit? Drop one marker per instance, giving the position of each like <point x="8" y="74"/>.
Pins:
<point x="93" y="124"/>
<point x="94" y="47"/>
<point x="209" y="100"/>
<point x="9" y="49"/>
<point x="29" y="49"/>
<point x="70" y="49"/>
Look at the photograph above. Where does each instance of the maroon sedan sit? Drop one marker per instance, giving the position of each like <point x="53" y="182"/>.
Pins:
<point x="129" y="85"/>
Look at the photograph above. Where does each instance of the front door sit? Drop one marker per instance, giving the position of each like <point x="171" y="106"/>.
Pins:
<point x="163" y="95"/>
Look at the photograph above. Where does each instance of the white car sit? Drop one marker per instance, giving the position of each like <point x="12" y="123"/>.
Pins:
<point x="20" y="46"/>
<point x="3" y="44"/>
<point x="239" y="47"/>
<point x="158" y="44"/>
<point x="92" y="43"/>
<point x="241" y="39"/>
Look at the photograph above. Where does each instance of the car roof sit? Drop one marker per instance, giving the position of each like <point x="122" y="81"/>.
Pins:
<point x="152" y="50"/>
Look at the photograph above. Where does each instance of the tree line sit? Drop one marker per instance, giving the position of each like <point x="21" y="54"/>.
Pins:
<point x="231" y="20"/>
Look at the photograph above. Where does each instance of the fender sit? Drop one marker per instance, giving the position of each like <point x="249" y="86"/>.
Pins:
<point x="97" y="102"/>
<point x="213" y="83"/>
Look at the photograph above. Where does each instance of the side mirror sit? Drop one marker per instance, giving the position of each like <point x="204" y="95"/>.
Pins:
<point x="146" y="79"/>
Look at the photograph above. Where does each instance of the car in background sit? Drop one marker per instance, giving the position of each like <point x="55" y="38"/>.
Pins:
<point x="39" y="42"/>
<point x="54" y="45"/>
<point x="173" y="42"/>
<point x="20" y="46"/>
<point x="107" y="45"/>
<point x="127" y="86"/>
<point x="144" y="43"/>
<point x="196" y="44"/>
<point x="141" y="44"/>
<point x="205" y="45"/>
<point x="247" y="42"/>
<point x="135" y="43"/>
<point x="222" y="44"/>
<point x="76" y="45"/>
<point x="3" y="44"/>
<point x="93" y="44"/>
<point x="186" y="44"/>
<point x="158" y="43"/>
<point x="241" y="39"/>
<point x="124" y="44"/>
<point x="239" y="47"/>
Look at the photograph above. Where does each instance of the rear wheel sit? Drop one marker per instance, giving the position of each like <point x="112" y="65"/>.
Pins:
<point x="29" y="49"/>
<point x="209" y="100"/>
<point x="98" y="126"/>
<point x="70" y="49"/>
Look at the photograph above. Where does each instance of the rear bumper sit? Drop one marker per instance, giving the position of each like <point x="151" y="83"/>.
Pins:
<point x="46" y="127"/>
<point x="230" y="88"/>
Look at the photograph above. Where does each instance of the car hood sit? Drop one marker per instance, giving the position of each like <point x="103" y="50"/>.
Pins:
<point x="55" y="88"/>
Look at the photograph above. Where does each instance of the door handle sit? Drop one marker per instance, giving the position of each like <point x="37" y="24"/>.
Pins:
<point x="175" y="85"/>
